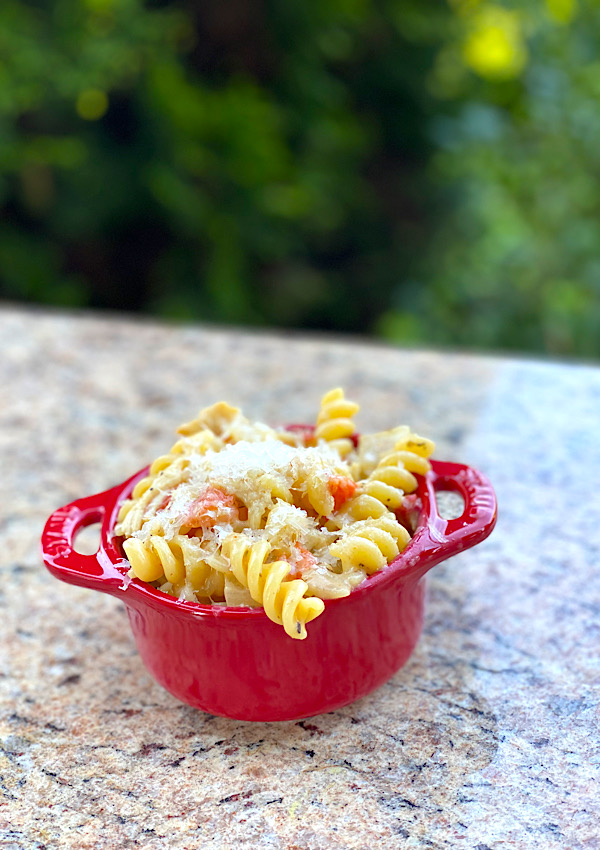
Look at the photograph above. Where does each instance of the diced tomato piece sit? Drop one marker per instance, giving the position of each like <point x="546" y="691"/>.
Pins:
<point x="213" y="506"/>
<point x="301" y="559"/>
<point x="165" y="502"/>
<point x="342" y="489"/>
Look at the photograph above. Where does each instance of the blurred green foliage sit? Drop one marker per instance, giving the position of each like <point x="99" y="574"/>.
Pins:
<point x="420" y="170"/>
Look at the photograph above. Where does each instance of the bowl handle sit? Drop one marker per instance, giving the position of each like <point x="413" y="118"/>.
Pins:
<point x="96" y="571"/>
<point x="441" y="538"/>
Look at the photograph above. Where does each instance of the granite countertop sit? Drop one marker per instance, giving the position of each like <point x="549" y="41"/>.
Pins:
<point x="488" y="738"/>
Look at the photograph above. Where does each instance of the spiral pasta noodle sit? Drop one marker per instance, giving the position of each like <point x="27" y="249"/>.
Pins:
<point x="282" y="599"/>
<point x="371" y="544"/>
<point x="382" y="491"/>
<point x="393" y="477"/>
<point x="334" y="421"/>
<point x="239" y="513"/>
<point x="175" y="562"/>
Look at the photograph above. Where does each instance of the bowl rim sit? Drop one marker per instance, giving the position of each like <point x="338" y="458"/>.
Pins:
<point x="434" y="540"/>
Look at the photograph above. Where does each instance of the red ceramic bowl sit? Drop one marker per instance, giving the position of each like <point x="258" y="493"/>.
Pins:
<point x="235" y="662"/>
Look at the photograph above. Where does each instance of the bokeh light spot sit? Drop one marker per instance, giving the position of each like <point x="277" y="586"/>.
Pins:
<point x="100" y="5"/>
<point x="561" y="11"/>
<point x="92" y="104"/>
<point x="495" y="46"/>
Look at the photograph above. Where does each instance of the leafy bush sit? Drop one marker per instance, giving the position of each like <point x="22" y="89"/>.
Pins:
<point x="421" y="171"/>
<point x="515" y="250"/>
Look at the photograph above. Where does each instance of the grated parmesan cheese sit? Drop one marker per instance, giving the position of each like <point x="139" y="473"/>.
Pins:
<point x="257" y="473"/>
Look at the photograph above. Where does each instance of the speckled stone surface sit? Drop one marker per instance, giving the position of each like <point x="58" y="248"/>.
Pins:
<point x="488" y="738"/>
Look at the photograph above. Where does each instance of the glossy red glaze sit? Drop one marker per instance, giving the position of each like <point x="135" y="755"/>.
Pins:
<point x="235" y="662"/>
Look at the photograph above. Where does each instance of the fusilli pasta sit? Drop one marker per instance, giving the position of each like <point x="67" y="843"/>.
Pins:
<point x="370" y="544"/>
<point x="239" y="513"/>
<point x="268" y="583"/>
<point x="334" y="421"/>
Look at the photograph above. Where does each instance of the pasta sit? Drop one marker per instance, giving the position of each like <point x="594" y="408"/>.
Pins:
<point x="370" y="544"/>
<point x="283" y="601"/>
<point x="165" y="473"/>
<point x="242" y="514"/>
<point x="334" y="421"/>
